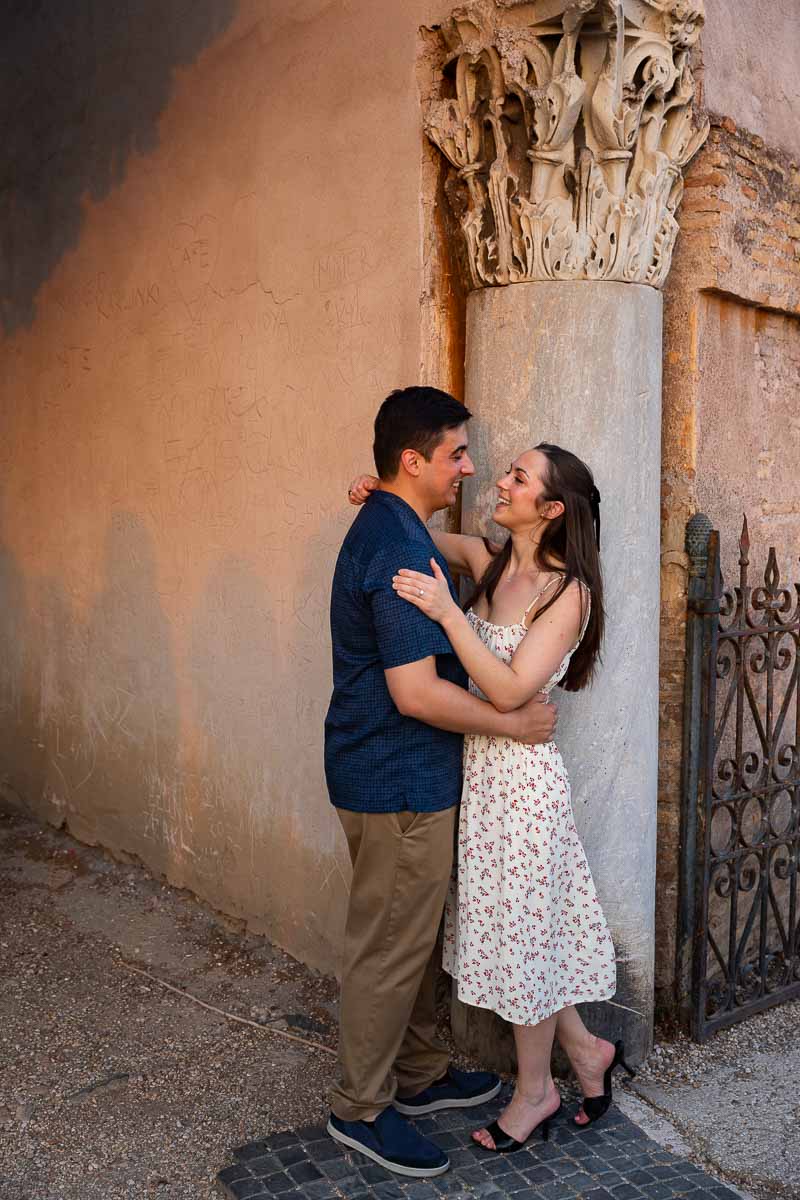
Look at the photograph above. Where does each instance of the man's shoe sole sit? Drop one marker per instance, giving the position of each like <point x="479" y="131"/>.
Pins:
<point x="421" y="1110"/>
<point x="414" y="1172"/>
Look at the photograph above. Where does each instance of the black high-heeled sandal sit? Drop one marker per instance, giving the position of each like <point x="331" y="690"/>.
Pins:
<point x="504" y="1143"/>
<point x="597" y="1106"/>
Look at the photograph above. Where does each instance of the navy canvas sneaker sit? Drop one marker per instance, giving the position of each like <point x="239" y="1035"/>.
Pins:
<point x="456" y="1089"/>
<point x="392" y="1142"/>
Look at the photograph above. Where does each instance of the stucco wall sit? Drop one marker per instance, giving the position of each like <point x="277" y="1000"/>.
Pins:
<point x="217" y="272"/>
<point x="748" y="449"/>
<point x="751" y="52"/>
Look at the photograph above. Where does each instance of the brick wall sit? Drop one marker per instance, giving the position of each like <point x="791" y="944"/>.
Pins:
<point x="731" y="418"/>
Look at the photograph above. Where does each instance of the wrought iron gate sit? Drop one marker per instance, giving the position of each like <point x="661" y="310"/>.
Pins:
<point x="739" y="924"/>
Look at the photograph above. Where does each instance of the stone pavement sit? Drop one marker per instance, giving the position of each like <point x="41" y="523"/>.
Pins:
<point x="614" y="1160"/>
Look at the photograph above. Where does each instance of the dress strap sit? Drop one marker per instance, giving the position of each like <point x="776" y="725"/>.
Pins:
<point x="538" y="596"/>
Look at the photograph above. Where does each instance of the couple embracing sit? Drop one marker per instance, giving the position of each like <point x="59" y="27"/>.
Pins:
<point x="442" y="717"/>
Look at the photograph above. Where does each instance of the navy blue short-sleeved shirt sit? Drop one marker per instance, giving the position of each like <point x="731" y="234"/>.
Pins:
<point x="376" y="759"/>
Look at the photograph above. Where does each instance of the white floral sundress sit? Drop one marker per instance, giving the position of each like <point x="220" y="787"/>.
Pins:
<point x="524" y="933"/>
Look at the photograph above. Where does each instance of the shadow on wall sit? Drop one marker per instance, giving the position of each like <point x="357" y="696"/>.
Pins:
<point x="258" y="812"/>
<point x="127" y="716"/>
<point x="14" y="667"/>
<point x="238" y="711"/>
<point x="89" y="709"/>
<point x="82" y="86"/>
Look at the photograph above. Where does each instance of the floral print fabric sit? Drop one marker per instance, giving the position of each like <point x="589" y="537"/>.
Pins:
<point x="524" y="932"/>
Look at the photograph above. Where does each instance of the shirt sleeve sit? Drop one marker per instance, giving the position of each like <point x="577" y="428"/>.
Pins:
<point x="403" y="633"/>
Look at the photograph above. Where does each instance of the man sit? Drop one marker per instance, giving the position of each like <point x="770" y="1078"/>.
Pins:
<point x="393" y="749"/>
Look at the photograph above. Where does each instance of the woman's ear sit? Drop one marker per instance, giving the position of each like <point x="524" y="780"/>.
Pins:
<point x="552" y="509"/>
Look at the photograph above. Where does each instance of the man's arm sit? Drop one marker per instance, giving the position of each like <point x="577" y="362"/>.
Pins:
<point x="418" y="691"/>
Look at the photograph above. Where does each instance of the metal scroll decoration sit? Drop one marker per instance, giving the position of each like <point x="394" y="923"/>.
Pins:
<point x="742" y="779"/>
<point x="567" y="124"/>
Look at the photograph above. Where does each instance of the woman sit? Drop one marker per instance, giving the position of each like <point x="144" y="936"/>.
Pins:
<point x="524" y="933"/>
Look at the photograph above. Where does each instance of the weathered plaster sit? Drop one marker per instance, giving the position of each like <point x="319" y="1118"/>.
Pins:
<point x="730" y="438"/>
<point x="218" y="275"/>
<point x="751" y="53"/>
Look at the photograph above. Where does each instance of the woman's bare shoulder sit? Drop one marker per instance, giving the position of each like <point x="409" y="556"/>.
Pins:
<point x="565" y="607"/>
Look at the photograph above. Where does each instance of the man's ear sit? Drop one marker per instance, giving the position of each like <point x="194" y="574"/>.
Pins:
<point x="410" y="461"/>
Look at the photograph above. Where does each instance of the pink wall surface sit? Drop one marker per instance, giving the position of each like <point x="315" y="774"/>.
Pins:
<point x="217" y="232"/>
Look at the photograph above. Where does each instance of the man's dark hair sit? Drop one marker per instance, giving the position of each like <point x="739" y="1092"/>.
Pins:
<point x="413" y="418"/>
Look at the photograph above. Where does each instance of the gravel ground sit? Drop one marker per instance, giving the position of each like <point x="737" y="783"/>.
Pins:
<point x="676" y="1060"/>
<point x="112" y="1086"/>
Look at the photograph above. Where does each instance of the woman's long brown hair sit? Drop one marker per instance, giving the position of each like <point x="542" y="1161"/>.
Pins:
<point x="569" y="543"/>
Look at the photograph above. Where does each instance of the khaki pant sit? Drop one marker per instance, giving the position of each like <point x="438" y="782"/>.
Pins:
<point x="387" y="1031"/>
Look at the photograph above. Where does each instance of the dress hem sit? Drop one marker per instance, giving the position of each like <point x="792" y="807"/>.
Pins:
<point x="514" y="1020"/>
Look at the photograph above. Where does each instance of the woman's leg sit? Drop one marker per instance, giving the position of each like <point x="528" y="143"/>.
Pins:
<point x="535" y="1096"/>
<point x="589" y="1056"/>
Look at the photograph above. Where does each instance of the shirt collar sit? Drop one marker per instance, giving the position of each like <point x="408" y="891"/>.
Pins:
<point x="410" y="519"/>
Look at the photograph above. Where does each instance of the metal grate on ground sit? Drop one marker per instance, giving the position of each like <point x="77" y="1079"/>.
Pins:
<point x="614" y="1161"/>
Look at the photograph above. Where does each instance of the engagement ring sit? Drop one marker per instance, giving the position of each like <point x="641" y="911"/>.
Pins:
<point x="421" y="592"/>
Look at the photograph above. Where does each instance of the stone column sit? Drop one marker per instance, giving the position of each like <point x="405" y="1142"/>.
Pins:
<point x="567" y="134"/>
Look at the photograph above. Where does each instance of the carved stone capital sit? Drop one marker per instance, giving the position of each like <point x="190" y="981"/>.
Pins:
<point x="568" y="124"/>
